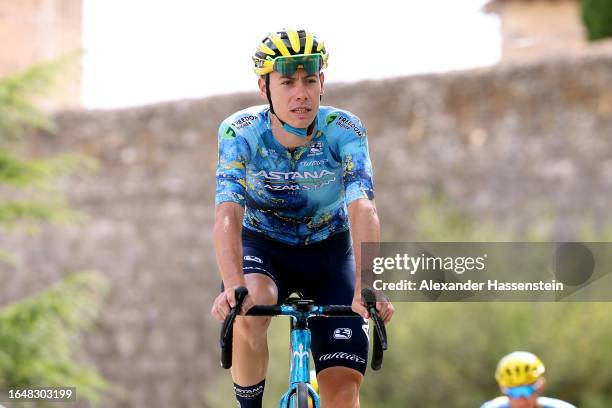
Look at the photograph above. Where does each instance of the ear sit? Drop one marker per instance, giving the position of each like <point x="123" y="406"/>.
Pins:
<point x="322" y="79"/>
<point x="261" y="83"/>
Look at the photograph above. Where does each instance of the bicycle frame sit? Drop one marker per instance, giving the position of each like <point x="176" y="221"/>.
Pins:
<point x="300" y="311"/>
<point x="299" y="368"/>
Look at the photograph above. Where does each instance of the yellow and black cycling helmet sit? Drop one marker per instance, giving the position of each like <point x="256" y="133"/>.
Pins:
<point x="519" y="368"/>
<point x="286" y="43"/>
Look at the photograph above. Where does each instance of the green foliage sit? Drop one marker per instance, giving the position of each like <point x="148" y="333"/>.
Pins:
<point x="18" y="91"/>
<point x="29" y="191"/>
<point x="437" y="219"/>
<point x="22" y="173"/>
<point x="597" y="18"/>
<point x="441" y="352"/>
<point x="40" y="336"/>
<point x="448" y="352"/>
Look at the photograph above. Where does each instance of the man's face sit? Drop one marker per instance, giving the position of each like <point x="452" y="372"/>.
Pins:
<point x="523" y="402"/>
<point x="296" y="97"/>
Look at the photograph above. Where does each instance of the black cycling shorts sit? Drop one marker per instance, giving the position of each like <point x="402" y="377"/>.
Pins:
<point x="325" y="273"/>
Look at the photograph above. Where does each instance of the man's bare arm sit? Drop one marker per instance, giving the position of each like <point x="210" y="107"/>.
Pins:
<point x="228" y="249"/>
<point x="365" y="227"/>
<point x="228" y="243"/>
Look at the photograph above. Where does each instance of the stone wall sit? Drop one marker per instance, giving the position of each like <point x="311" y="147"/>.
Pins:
<point x="508" y="142"/>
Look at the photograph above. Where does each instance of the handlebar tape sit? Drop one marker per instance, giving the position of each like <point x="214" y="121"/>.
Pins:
<point x="227" y="332"/>
<point x="380" y="333"/>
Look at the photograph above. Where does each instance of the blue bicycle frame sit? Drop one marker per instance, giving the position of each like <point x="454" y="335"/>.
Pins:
<point x="300" y="311"/>
<point x="299" y="369"/>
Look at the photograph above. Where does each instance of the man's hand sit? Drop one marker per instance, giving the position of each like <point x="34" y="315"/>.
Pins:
<point x="385" y="308"/>
<point x="225" y="301"/>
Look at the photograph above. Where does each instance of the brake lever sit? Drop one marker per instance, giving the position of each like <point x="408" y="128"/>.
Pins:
<point x="380" y="333"/>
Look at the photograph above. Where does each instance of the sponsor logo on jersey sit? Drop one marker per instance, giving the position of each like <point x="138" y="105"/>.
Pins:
<point x="293" y="187"/>
<point x="244" y="122"/>
<point x="317" y="147"/>
<point x="343" y="333"/>
<point x="342" y="356"/>
<point x="228" y="133"/>
<point x="292" y="175"/>
<point x="317" y="179"/>
<point x="315" y="163"/>
<point x="252" y="258"/>
<point x="347" y="124"/>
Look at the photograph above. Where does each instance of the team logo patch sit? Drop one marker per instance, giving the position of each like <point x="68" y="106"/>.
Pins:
<point x="252" y="258"/>
<point x="330" y="118"/>
<point x="301" y="354"/>
<point x="343" y="333"/>
<point x="228" y="133"/>
<point x="317" y="147"/>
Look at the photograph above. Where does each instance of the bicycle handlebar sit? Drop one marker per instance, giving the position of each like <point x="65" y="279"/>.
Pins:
<point x="227" y="330"/>
<point x="277" y="310"/>
<point x="380" y="333"/>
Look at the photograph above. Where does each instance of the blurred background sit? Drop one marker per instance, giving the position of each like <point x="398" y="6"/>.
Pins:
<point x="487" y="121"/>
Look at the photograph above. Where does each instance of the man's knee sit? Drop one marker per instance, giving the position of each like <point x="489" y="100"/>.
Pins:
<point x="262" y="291"/>
<point x="339" y="386"/>
<point x="251" y="327"/>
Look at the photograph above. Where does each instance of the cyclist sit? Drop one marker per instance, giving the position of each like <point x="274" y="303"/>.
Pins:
<point x="520" y="377"/>
<point x="292" y="176"/>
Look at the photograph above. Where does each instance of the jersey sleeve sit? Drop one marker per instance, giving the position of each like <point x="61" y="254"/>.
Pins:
<point x="356" y="166"/>
<point x="233" y="157"/>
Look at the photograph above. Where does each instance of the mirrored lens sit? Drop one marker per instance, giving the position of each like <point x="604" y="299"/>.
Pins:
<point x="312" y="64"/>
<point x="288" y="65"/>
<point x="525" y="391"/>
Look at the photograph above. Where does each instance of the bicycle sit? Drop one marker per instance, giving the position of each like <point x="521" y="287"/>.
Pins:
<point x="301" y="310"/>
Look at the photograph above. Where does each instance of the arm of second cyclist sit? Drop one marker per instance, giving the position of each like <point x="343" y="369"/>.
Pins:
<point x="228" y="250"/>
<point x="365" y="227"/>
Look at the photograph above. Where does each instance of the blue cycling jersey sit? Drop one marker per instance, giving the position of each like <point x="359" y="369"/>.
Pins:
<point x="296" y="197"/>
<point x="543" y="402"/>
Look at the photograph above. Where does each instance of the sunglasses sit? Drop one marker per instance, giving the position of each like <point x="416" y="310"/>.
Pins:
<point x="287" y="66"/>
<point x="525" y="391"/>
